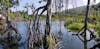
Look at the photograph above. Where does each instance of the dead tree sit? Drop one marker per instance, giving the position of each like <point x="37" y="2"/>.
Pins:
<point x="35" y="26"/>
<point x="66" y="6"/>
<point x="84" y="29"/>
<point x="47" y="29"/>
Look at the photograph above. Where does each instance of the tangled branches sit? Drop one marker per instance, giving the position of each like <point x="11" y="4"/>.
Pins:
<point x="39" y="39"/>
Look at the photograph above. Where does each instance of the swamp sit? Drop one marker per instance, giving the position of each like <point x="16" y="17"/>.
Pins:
<point x="49" y="24"/>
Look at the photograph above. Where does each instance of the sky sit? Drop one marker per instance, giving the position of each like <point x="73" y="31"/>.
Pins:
<point x="36" y="3"/>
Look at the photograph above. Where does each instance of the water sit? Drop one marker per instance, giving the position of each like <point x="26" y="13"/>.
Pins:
<point x="68" y="40"/>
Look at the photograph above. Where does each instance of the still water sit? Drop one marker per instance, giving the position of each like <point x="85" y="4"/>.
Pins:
<point x="68" y="40"/>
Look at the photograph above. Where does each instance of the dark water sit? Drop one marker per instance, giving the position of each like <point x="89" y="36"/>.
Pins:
<point x="68" y="40"/>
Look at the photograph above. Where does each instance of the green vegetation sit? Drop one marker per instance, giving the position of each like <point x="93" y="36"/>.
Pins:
<point x="75" y="18"/>
<point x="77" y="26"/>
<point x="51" y="42"/>
<point x="2" y="28"/>
<point x="98" y="28"/>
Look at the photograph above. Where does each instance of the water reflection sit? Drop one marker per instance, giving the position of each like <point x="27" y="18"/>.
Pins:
<point x="68" y="41"/>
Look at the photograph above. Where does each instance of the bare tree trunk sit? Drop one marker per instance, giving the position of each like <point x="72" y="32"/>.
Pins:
<point x="66" y="6"/>
<point x="48" y="19"/>
<point x="85" y="23"/>
<point x="47" y="8"/>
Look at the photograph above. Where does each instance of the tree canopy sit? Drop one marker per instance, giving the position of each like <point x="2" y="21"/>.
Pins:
<point x="8" y="3"/>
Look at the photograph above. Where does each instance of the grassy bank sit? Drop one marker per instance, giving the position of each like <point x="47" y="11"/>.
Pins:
<point x="77" y="26"/>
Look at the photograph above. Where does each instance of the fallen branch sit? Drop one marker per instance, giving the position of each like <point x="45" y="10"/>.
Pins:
<point x="96" y="46"/>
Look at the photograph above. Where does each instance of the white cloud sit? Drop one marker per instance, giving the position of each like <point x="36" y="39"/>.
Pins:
<point x="78" y="3"/>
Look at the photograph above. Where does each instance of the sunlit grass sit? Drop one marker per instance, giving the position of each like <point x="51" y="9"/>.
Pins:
<point x="51" y="42"/>
<point x="77" y="26"/>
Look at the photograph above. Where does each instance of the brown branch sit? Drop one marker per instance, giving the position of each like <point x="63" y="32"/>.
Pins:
<point x="96" y="46"/>
<point x="38" y="9"/>
<point x="92" y="21"/>
<point x="81" y="30"/>
<point x="92" y="36"/>
<point x="80" y="38"/>
<point x="42" y="13"/>
<point x="36" y="20"/>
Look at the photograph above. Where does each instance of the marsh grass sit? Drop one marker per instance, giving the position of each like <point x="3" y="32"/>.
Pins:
<point x="77" y="26"/>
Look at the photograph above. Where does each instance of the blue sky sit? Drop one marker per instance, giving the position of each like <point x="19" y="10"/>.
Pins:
<point x="36" y="3"/>
<point x="22" y="3"/>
